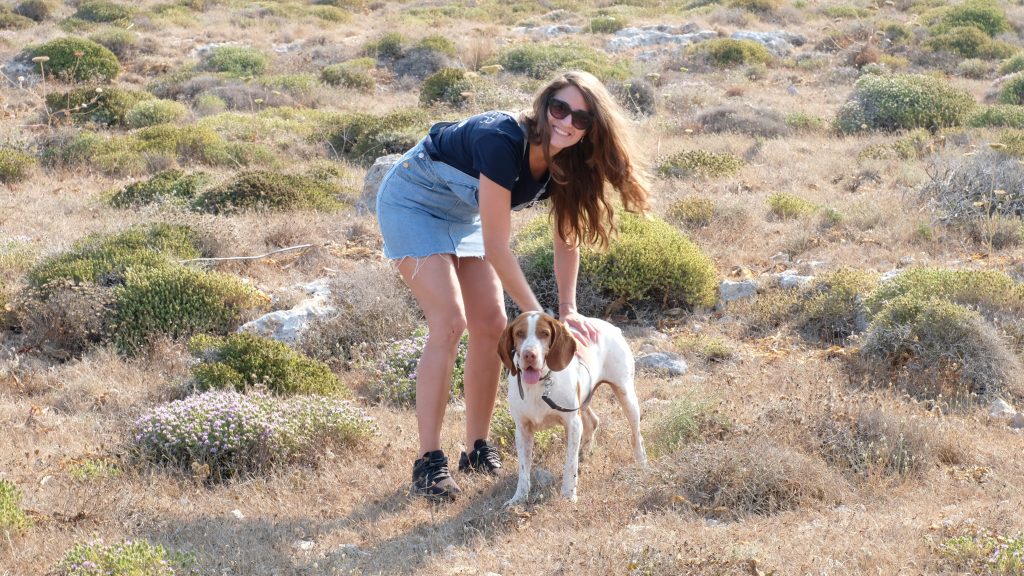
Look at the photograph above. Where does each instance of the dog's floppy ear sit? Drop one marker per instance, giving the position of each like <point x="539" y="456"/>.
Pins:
<point x="563" y="346"/>
<point x="505" y="348"/>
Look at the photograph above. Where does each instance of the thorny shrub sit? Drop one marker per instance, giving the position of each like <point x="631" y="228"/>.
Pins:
<point x="76" y="59"/>
<point x="700" y="163"/>
<point x="448" y="86"/>
<point x="761" y="122"/>
<point x="354" y="74"/>
<point x="364" y="137"/>
<point x="127" y="558"/>
<point x="267" y="190"/>
<point x="544" y="60"/>
<point x="902" y="102"/>
<point x="15" y="165"/>
<point x="108" y="106"/>
<point x="172" y="186"/>
<point x="684" y="421"/>
<point x="834" y="307"/>
<point x="239" y="61"/>
<point x="103" y="11"/>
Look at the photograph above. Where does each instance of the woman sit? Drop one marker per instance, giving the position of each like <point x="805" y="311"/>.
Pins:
<point x="445" y="214"/>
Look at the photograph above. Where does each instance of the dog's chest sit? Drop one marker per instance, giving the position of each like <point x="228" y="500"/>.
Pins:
<point x="556" y="398"/>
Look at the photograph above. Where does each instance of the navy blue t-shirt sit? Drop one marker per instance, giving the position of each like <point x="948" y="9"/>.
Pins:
<point x="492" y="144"/>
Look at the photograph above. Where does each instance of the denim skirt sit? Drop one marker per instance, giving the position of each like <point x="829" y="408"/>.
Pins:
<point x="427" y="207"/>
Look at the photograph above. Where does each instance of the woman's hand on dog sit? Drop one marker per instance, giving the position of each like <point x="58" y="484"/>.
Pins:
<point x="581" y="325"/>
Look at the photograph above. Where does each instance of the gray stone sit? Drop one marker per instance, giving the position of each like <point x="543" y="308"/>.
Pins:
<point x="646" y="36"/>
<point x="1017" y="422"/>
<point x="550" y="31"/>
<point x="368" y="199"/>
<point x="780" y="258"/>
<point x="288" y="325"/>
<point x="662" y="362"/>
<point x="730" y="290"/>
<point x="1001" y="409"/>
<point x="789" y="280"/>
<point x="779" y="42"/>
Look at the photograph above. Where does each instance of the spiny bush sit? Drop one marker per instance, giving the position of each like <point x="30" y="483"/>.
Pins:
<point x="834" y="308"/>
<point x="785" y="206"/>
<point x="127" y="558"/>
<point x="387" y="47"/>
<point x="65" y="320"/>
<point x="762" y="122"/>
<point x="692" y="212"/>
<point x="104" y="258"/>
<point x="730" y="52"/>
<point x="997" y="115"/>
<point x="174" y="186"/>
<point x="121" y="42"/>
<point x="179" y="302"/>
<point x="354" y="74"/>
<point x="15" y="165"/>
<point x="975" y="68"/>
<point x="758" y="6"/>
<point x="804" y="122"/>
<point x="109" y="106"/>
<point x="448" y="86"/>
<point x="977" y="187"/>
<point x="968" y="548"/>
<point x="246" y="361"/>
<point x="76" y="59"/>
<point x="984" y="15"/>
<point x="438" y="43"/>
<point x="903" y="101"/>
<point x="1012" y="65"/>
<point x="394" y="380"/>
<point x="37" y="10"/>
<point x="683" y="421"/>
<point x="700" y="163"/>
<point x="988" y="290"/>
<point x="12" y="518"/>
<point x="153" y="112"/>
<point x="969" y="42"/>
<point x="238" y="61"/>
<point x="102" y="11"/>
<point x="541" y="61"/>
<point x="265" y="190"/>
<point x="231" y="434"/>
<point x="649" y="263"/>
<point x="637" y="96"/>
<point x="12" y="21"/>
<point x="1012" y="91"/>
<point x="364" y="137"/>
<point x="606" y="24"/>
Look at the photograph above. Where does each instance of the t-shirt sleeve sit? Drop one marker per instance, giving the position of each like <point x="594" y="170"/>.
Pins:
<point x="497" y="155"/>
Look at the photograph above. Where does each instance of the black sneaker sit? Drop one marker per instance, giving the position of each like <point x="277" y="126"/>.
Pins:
<point x="431" y="479"/>
<point x="483" y="458"/>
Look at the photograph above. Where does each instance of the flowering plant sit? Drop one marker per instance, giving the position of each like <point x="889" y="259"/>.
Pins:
<point x="396" y="371"/>
<point x="123" y="559"/>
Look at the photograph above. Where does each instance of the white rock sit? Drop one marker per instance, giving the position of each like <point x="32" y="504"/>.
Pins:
<point x="288" y="325"/>
<point x="368" y="198"/>
<point x="790" y="281"/>
<point x="662" y="362"/>
<point x="304" y="545"/>
<point x="238" y="514"/>
<point x="1001" y="409"/>
<point x="629" y="38"/>
<point x="1017" y="421"/>
<point x="351" y="550"/>
<point x="730" y="290"/>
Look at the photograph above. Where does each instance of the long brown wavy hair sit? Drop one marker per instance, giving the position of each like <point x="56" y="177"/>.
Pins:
<point x="582" y="209"/>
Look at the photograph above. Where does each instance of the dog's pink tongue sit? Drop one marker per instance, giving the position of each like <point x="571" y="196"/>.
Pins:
<point x="531" y="375"/>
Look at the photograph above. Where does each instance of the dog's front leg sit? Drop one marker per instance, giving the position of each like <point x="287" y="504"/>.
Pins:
<point x="524" y="451"/>
<point x="573" y="434"/>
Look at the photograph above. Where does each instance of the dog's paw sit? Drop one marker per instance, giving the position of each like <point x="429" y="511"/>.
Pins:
<point x="514" y="502"/>
<point x="570" y="496"/>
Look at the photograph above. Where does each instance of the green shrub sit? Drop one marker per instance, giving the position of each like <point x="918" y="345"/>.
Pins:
<point x="301" y="83"/>
<point x="834" y="309"/>
<point x="758" y="122"/>
<point x="984" y="15"/>
<point x="759" y="6"/>
<point x="354" y="74"/>
<point x="903" y="101"/>
<point x="179" y="302"/>
<point x="606" y="24"/>
<point x="15" y="165"/>
<point x="966" y="41"/>
<point x="388" y="46"/>
<point x="93" y="469"/>
<point x="104" y="258"/>
<point x="438" y="43"/>
<point x="803" y="122"/>
<point x="700" y="163"/>
<point x="989" y="290"/>
<point x="683" y="421"/>
<point x="237" y="61"/>
<point x="693" y="212"/>
<point x="12" y="518"/>
<point x="503" y="434"/>
<point x="541" y="61"/>
<point x="447" y="86"/>
<point x="330" y="13"/>
<point x="729" y="52"/>
<point x="784" y="205"/>
<point x="969" y="548"/>
<point x="37" y="10"/>
<point x="364" y="137"/>
<point x="648" y="263"/>
<point x="207" y="104"/>
<point x="118" y="40"/>
<point x="1012" y="65"/>
<point x="172" y="186"/>
<point x="76" y="59"/>
<point x="843" y="11"/>
<point x="246" y="361"/>
<point x="12" y="21"/>
<point x="973" y="68"/>
<point x="395" y="373"/>
<point x="153" y="112"/>
<point x="1012" y="91"/>
<point x="974" y="189"/>
<point x="102" y="11"/>
<point x="265" y="190"/>
<point x="107" y="105"/>
<point x="229" y="434"/>
<point x="128" y="558"/>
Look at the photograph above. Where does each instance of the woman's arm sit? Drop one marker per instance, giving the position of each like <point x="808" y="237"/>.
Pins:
<point x="567" y="266"/>
<point x="496" y="221"/>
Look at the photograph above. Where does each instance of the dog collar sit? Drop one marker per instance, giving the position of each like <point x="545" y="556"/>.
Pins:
<point x="546" y="381"/>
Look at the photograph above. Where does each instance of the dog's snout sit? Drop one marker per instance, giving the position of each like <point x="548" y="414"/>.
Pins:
<point x="530" y="356"/>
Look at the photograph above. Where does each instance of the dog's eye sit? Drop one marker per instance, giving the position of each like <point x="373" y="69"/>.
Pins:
<point x="520" y="333"/>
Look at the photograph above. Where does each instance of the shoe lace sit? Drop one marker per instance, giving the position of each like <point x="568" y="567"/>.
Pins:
<point x="437" y="470"/>
<point x="488" y="455"/>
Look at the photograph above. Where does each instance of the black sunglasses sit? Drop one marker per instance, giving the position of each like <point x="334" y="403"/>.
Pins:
<point x="581" y="119"/>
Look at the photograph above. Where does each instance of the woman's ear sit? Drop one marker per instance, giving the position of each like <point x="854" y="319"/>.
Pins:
<point x="563" y="346"/>
<point x="505" y="348"/>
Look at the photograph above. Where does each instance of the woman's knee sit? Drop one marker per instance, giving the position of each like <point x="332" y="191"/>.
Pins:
<point x="489" y="325"/>
<point x="448" y="330"/>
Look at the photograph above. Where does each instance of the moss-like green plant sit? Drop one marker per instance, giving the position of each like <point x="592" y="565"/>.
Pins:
<point x="730" y="52"/>
<point x="37" y="10"/>
<point x="265" y="190"/>
<point x="104" y="258"/>
<point x="353" y="74"/>
<point x="447" y="86"/>
<point x="996" y="115"/>
<point x="15" y="165"/>
<point x="128" y="558"/>
<point x="172" y="186"/>
<point x="835" y="309"/>
<point x="153" y="112"/>
<point x="178" y="302"/>
<point x="542" y="61"/>
<point x="76" y="59"/>
<point x="364" y="137"/>
<point x="103" y="105"/>
<point x="969" y="42"/>
<point x="239" y="61"/>
<point x="700" y="163"/>
<point x="693" y="212"/>
<point x="903" y="101"/>
<point x="784" y="205"/>
<point x="758" y="6"/>
<point x="12" y="518"/>
<point x="103" y="11"/>
<point x="246" y="361"/>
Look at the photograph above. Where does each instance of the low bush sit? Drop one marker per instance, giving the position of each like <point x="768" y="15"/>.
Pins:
<point x="76" y="60"/>
<point x="237" y="61"/>
<point x="785" y="206"/>
<point x="1012" y="65"/>
<point x="987" y="290"/>
<point x="388" y="47"/>
<point x="234" y="434"/>
<point x="246" y="361"/>
<point x="153" y="112"/>
<point x="438" y="43"/>
<point x="123" y="43"/>
<point x="983" y="15"/>
<point x="700" y="163"/>
<point x="102" y="11"/>
<point x="173" y="186"/>
<point x="12" y="518"/>
<point x="975" y="68"/>
<point x="765" y="123"/>
<point x="757" y="6"/>
<point x="128" y="558"/>
<point x="37" y="10"/>
<point x="12" y="21"/>
<point x="903" y="101"/>
<point x="394" y="379"/>
<point x="503" y="434"/>
<point x="108" y="106"/>
<point x="834" y="309"/>
<point x="692" y="212"/>
<point x="354" y="74"/>
<point x="65" y="320"/>
<point x="364" y="137"/>
<point x="730" y="52"/>
<point x="1012" y="91"/>
<point x="448" y="86"/>
<point x="542" y="61"/>
<point x="179" y="302"/>
<point x="15" y="165"/>
<point x="636" y="96"/>
<point x="977" y="187"/>
<point x="969" y="42"/>
<point x="266" y="190"/>
<point x="968" y="548"/>
<point x="607" y="24"/>
<point x="997" y="115"/>
<point x="803" y="122"/>
<point x="683" y="421"/>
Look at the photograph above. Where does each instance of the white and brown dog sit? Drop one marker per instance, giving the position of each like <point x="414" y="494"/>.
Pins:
<point x="551" y="381"/>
